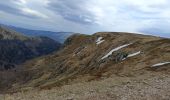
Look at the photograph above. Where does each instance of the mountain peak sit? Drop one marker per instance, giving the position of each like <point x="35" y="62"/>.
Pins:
<point x="6" y="33"/>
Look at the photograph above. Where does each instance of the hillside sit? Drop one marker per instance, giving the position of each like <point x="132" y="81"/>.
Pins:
<point x="16" y="48"/>
<point x="101" y="66"/>
<point x="8" y="34"/>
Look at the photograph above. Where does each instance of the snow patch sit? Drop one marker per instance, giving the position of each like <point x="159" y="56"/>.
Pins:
<point x="160" y="64"/>
<point x="115" y="49"/>
<point x="134" y="54"/>
<point x="99" y="40"/>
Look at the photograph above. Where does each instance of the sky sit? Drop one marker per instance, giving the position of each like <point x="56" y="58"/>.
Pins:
<point x="89" y="16"/>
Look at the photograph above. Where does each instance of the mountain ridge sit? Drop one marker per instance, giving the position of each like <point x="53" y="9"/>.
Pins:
<point x="57" y="36"/>
<point x="124" y="54"/>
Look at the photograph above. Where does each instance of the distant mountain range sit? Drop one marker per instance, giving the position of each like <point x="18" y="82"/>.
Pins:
<point x="16" y="48"/>
<point x="57" y="36"/>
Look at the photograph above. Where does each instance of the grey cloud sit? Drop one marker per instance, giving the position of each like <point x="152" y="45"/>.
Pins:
<point x="159" y="28"/>
<point x="134" y="11"/>
<point x="9" y="9"/>
<point x="14" y="10"/>
<point x="72" y="10"/>
<point x="108" y="15"/>
<point x="156" y="32"/>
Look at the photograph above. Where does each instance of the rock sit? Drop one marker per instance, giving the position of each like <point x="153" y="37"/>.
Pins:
<point x="120" y="56"/>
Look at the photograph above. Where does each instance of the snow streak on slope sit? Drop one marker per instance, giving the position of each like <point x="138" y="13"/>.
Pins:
<point x="115" y="49"/>
<point x="160" y="64"/>
<point x="134" y="54"/>
<point x="99" y="40"/>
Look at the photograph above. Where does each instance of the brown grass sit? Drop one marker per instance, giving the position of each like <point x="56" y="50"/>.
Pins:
<point x="81" y="72"/>
<point x="153" y="86"/>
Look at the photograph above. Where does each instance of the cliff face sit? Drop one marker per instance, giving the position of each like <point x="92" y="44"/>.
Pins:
<point x="93" y="57"/>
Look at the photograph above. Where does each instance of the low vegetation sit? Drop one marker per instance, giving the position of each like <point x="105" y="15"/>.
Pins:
<point x="119" y="68"/>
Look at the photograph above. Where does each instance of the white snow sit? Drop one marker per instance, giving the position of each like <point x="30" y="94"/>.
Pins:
<point x="99" y="40"/>
<point x="115" y="49"/>
<point x="160" y="64"/>
<point x="134" y="54"/>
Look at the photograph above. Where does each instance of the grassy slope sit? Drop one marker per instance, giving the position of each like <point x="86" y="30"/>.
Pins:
<point x="153" y="86"/>
<point x="66" y="67"/>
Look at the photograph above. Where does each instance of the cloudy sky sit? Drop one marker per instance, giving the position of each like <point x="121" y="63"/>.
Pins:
<point x="89" y="16"/>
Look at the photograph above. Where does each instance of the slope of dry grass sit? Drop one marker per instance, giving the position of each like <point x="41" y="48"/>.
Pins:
<point x="153" y="86"/>
<point x="77" y="72"/>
